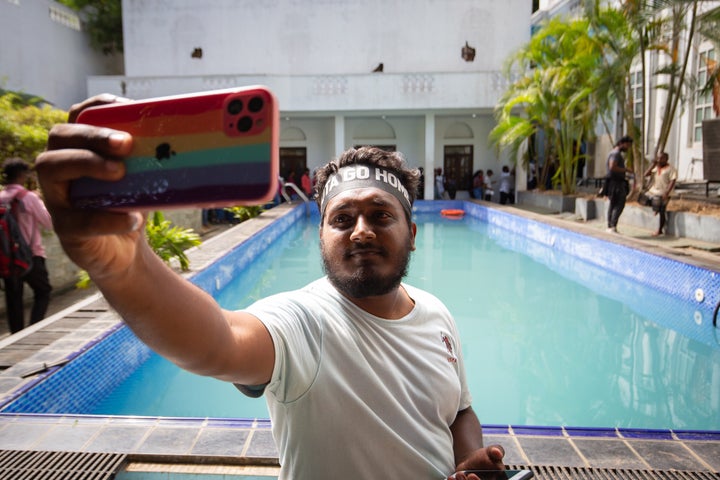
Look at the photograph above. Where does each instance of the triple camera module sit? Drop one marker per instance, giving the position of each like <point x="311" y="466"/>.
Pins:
<point x="249" y="112"/>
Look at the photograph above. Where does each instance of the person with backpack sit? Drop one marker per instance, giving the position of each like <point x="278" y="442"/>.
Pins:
<point x="29" y="213"/>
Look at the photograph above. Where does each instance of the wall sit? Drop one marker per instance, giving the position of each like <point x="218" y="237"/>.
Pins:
<point x="318" y="37"/>
<point x="42" y="52"/>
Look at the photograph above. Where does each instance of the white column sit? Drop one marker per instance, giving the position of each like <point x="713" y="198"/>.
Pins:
<point x="429" y="156"/>
<point x="339" y="134"/>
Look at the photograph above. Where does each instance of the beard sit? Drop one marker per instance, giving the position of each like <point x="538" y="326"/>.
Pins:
<point x="365" y="281"/>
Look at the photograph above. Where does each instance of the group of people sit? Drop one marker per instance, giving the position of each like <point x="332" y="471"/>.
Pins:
<point x="482" y="186"/>
<point x="662" y="178"/>
<point x="305" y="184"/>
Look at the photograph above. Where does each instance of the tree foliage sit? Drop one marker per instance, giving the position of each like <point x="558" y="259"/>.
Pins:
<point x="575" y="74"/>
<point x="102" y="20"/>
<point x="24" y="125"/>
<point x="562" y="85"/>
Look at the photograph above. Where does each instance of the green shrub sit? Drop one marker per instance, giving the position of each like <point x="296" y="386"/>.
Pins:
<point x="24" y="125"/>
<point x="170" y="241"/>
<point x="245" y="213"/>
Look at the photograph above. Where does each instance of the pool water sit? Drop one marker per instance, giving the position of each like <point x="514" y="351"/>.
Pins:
<point x="548" y="339"/>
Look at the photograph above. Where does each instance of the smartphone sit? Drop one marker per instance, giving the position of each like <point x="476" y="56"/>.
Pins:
<point x="501" y="474"/>
<point x="208" y="149"/>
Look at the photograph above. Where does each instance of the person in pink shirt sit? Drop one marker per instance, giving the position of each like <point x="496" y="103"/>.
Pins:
<point x="32" y="217"/>
<point x="306" y="183"/>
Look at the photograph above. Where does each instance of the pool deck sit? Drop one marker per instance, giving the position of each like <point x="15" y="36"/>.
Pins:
<point x="248" y="446"/>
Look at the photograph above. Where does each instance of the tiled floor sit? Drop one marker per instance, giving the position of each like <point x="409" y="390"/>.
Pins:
<point x="227" y="440"/>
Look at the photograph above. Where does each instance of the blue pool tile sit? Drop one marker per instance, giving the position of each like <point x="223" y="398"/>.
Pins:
<point x="86" y="419"/>
<point x="181" y="421"/>
<point x="697" y="435"/>
<point x="36" y="417"/>
<point x="591" y="432"/>
<point x="263" y="423"/>
<point x="496" y="429"/>
<point x="231" y="422"/>
<point x="537" y="430"/>
<point x="646" y="434"/>
<point x="133" y="420"/>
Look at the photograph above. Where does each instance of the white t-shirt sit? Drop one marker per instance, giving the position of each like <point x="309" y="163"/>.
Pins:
<point x="662" y="178"/>
<point x="505" y="182"/>
<point x="356" y="396"/>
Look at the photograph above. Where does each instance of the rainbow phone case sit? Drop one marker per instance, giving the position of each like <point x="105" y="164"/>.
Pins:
<point x="216" y="148"/>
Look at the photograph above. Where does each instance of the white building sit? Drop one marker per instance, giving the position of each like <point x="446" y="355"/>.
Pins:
<point x="320" y="58"/>
<point x="43" y="52"/>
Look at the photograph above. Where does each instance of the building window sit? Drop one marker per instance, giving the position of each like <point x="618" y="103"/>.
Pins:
<point x="707" y="58"/>
<point x="637" y="96"/>
<point x="458" y="163"/>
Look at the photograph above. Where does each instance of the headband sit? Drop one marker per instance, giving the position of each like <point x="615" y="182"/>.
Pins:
<point x="365" y="176"/>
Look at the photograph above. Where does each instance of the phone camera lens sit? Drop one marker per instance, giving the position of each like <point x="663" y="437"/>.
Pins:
<point x="244" y="124"/>
<point x="255" y="104"/>
<point x="235" y="107"/>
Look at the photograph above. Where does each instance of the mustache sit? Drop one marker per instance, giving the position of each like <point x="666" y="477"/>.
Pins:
<point x="365" y="247"/>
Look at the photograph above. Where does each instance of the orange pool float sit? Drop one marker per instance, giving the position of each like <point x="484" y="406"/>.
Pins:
<point x="453" y="213"/>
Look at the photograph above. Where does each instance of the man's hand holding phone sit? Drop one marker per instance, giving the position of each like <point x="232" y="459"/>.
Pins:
<point x="209" y="149"/>
<point x="118" y="157"/>
<point x="485" y="459"/>
<point x="100" y="242"/>
<point x="493" y="475"/>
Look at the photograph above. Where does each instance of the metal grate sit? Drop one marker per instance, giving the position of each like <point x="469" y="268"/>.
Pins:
<point x="581" y="473"/>
<point x="32" y="465"/>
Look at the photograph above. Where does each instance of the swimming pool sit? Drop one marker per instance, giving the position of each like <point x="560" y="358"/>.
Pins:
<point x="631" y="303"/>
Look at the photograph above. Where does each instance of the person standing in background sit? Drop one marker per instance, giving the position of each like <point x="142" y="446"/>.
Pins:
<point x="489" y="184"/>
<point x="617" y="185"/>
<point x="440" y="193"/>
<point x="478" y="181"/>
<point x="32" y="217"/>
<point x="505" y="185"/>
<point x="306" y="183"/>
<point x="664" y="177"/>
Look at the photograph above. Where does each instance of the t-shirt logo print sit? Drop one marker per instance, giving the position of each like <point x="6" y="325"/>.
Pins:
<point x="451" y="355"/>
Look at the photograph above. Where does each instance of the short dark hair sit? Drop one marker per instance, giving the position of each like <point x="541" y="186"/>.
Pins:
<point x="13" y="167"/>
<point x="625" y="139"/>
<point x="392" y="161"/>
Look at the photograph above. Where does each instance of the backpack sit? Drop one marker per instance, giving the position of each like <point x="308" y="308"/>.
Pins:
<point x="15" y="253"/>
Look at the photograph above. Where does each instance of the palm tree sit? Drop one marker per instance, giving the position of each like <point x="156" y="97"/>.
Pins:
<point x="556" y="93"/>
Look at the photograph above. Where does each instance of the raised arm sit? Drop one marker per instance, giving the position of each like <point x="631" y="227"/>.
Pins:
<point x="168" y="313"/>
